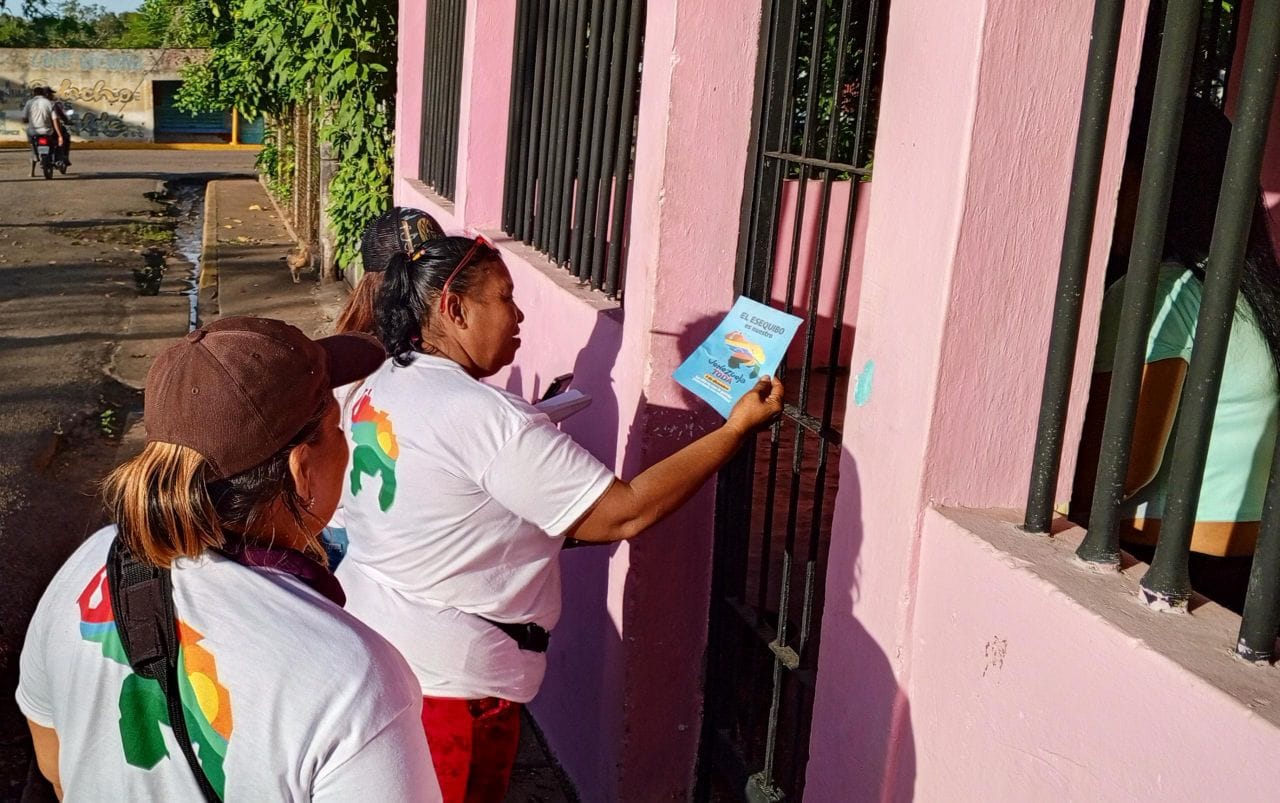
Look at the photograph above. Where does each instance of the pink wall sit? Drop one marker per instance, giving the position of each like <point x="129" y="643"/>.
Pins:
<point x="903" y="298"/>
<point x="411" y="32"/>
<point x="699" y="67"/>
<point x="1052" y="683"/>
<point x="621" y="706"/>
<point x="973" y="155"/>
<point x="484" y="105"/>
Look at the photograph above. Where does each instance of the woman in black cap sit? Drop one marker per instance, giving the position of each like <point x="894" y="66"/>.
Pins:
<point x="198" y="647"/>
<point x="400" y="230"/>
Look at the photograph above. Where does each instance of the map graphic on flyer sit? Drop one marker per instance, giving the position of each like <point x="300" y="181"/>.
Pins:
<point x="749" y="343"/>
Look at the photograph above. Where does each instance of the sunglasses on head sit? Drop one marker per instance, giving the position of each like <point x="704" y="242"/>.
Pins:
<point x="480" y="242"/>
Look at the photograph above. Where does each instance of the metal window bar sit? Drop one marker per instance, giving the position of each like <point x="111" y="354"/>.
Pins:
<point x="1261" y="617"/>
<point x="441" y="95"/>
<point x="1167" y="584"/>
<point x="765" y="605"/>
<point x="1076" y="241"/>
<point x="576" y="69"/>
<point x="1102" y="543"/>
<point x="762" y="262"/>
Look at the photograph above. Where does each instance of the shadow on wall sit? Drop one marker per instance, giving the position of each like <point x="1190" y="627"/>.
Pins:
<point x="653" y="677"/>
<point x="578" y="705"/>
<point x="862" y="747"/>
<point x="665" y="603"/>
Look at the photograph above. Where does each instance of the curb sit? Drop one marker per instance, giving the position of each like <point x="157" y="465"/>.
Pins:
<point x="107" y="145"/>
<point x="207" y="307"/>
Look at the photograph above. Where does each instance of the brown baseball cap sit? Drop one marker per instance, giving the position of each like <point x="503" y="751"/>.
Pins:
<point x="240" y="389"/>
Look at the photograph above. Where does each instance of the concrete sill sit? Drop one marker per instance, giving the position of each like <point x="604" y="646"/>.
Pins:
<point x="1201" y="642"/>
<point x="438" y="206"/>
<point x="516" y="254"/>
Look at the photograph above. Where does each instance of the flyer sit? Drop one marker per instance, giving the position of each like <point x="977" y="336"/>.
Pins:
<point x="749" y="343"/>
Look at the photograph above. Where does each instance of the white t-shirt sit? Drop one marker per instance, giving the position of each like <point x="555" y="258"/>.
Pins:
<point x="39" y="115"/>
<point x="287" y="696"/>
<point x="457" y="498"/>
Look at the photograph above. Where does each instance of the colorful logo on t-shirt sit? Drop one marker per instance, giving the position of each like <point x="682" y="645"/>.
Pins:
<point x="376" y="450"/>
<point x="143" y="708"/>
<point x="744" y="352"/>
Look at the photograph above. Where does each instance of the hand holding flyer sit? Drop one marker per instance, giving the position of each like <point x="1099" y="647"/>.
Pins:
<point x="749" y="343"/>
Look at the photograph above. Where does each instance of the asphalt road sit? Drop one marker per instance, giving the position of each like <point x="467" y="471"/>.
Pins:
<point x="68" y="251"/>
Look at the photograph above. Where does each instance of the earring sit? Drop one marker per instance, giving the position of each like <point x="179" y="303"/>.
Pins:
<point x="309" y="503"/>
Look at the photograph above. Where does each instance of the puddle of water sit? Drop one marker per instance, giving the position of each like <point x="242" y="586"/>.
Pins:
<point x="188" y="238"/>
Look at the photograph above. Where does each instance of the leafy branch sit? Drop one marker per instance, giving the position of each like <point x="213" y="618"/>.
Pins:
<point x="270" y="55"/>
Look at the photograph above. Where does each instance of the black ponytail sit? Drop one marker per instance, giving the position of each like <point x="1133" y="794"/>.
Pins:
<point x="411" y="290"/>
<point x="399" y="310"/>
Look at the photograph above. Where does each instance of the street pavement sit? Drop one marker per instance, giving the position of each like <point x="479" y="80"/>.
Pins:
<point x="68" y="249"/>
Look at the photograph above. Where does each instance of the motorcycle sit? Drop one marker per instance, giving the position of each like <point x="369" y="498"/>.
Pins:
<point x="43" y="156"/>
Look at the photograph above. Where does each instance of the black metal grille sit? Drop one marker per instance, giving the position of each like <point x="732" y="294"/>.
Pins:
<point x="1195" y="55"/>
<point x="441" y="93"/>
<point x="819" y="85"/>
<point x="570" y="146"/>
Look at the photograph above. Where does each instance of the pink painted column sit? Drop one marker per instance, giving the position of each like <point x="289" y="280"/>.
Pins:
<point x="972" y="165"/>
<point x="484" y="108"/>
<point x="412" y="32"/>
<point x="694" y="128"/>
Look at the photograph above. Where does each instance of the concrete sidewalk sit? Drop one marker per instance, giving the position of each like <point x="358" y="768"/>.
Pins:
<point x="244" y="271"/>
<point x="242" y="251"/>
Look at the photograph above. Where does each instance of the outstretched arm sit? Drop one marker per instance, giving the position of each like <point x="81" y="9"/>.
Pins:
<point x="629" y="508"/>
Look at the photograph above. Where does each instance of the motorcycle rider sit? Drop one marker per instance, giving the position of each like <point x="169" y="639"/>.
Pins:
<point x="62" y="125"/>
<point x="40" y="118"/>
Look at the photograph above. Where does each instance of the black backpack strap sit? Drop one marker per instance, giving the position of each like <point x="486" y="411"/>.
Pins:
<point x="142" y="605"/>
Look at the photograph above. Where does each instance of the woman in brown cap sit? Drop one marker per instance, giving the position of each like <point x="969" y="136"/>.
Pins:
<point x="197" y="648"/>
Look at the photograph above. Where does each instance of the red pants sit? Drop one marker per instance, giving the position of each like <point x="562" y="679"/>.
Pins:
<point x="473" y="746"/>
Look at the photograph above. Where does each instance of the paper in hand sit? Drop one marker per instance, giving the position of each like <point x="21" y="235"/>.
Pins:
<point x="749" y="343"/>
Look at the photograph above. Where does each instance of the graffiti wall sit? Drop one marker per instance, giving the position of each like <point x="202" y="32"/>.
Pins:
<point x="109" y="91"/>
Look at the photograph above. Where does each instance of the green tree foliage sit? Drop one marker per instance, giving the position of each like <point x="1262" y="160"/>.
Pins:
<point x="268" y="55"/>
<point x="74" y="24"/>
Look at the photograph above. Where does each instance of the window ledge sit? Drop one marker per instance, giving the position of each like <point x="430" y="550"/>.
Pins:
<point x="436" y="203"/>
<point x="515" y="252"/>
<point x="1200" y="642"/>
